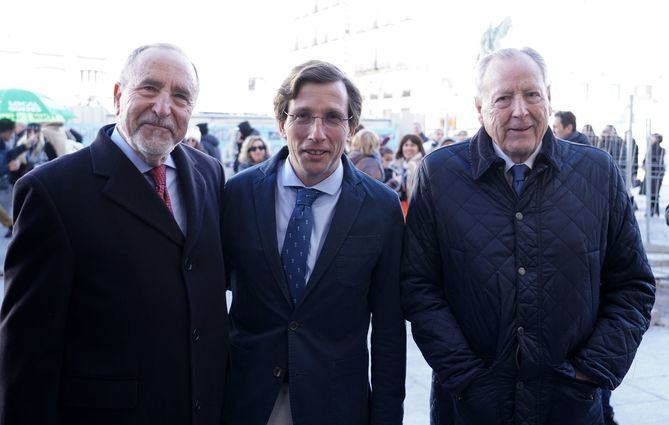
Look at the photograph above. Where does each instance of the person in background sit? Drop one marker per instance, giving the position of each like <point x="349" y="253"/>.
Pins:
<point x="461" y="136"/>
<point x="254" y="151"/>
<point x="387" y="158"/>
<point x="209" y="142"/>
<point x="39" y="152"/>
<point x="589" y="132"/>
<point x="418" y="131"/>
<point x="436" y="140"/>
<point x="564" y="127"/>
<point x="447" y="142"/>
<point x="365" y="154"/>
<point x="244" y="130"/>
<point x="193" y="139"/>
<point x="654" y="174"/>
<point x="524" y="275"/>
<point x="407" y="158"/>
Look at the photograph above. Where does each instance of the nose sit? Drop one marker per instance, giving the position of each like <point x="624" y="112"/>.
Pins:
<point x="317" y="130"/>
<point x="519" y="106"/>
<point x="162" y="105"/>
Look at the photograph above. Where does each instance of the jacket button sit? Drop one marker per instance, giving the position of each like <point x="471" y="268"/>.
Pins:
<point x="522" y="271"/>
<point x="521" y="331"/>
<point x="293" y="326"/>
<point x="196" y="335"/>
<point x="196" y="406"/>
<point x="519" y="385"/>
<point x="519" y="216"/>
<point x="277" y="372"/>
<point x="188" y="266"/>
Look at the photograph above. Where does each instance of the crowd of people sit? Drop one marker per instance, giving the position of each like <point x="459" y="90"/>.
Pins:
<point x="515" y="256"/>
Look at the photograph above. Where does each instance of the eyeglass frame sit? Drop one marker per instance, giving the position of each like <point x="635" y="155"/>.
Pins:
<point x="256" y="148"/>
<point x="313" y="120"/>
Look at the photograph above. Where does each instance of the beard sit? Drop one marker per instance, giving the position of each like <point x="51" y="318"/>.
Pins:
<point x="155" y="137"/>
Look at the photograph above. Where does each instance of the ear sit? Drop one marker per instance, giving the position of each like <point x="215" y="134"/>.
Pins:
<point x="351" y="132"/>
<point x="282" y="128"/>
<point x="479" y="105"/>
<point x="117" y="98"/>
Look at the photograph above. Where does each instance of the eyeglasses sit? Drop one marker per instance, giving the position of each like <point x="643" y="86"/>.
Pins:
<point x="256" y="148"/>
<point x="330" y="120"/>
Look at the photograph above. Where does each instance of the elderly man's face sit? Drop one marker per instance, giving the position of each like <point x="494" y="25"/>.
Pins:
<point x="514" y="105"/>
<point x="315" y="148"/>
<point x="156" y="103"/>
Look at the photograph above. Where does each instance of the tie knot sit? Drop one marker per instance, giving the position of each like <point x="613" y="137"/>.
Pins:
<point x="519" y="172"/>
<point x="158" y="174"/>
<point x="306" y="196"/>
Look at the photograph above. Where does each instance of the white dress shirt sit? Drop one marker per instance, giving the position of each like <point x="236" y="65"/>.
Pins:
<point x="323" y="207"/>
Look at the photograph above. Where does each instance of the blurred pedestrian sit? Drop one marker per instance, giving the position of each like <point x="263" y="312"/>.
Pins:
<point x="313" y="245"/>
<point x="365" y="154"/>
<point x="387" y="157"/>
<point x="654" y="174"/>
<point x="418" y="131"/>
<point x="524" y="275"/>
<point x="209" y="142"/>
<point x="435" y="141"/>
<point x="564" y="127"/>
<point x="254" y="150"/>
<point x="588" y="131"/>
<point x="193" y="139"/>
<point x="244" y="130"/>
<point x="40" y="151"/>
<point x="408" y="156"/>
<point x="461" y="136"/>
<point x="116" y="269"/>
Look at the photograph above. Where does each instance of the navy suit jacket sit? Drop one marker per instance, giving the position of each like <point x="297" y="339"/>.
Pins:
<point x="321" y="343"/>
<point x="111" y="315"/>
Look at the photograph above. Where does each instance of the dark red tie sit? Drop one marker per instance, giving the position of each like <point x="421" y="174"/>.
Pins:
<point x="160" y="180"/>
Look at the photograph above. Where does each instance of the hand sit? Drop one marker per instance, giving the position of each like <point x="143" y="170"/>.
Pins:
<point x="583" y="377"/>
<point x="13" y="165"/>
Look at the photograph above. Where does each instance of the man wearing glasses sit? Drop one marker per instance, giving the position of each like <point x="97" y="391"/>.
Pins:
<point x="313" y="256"/>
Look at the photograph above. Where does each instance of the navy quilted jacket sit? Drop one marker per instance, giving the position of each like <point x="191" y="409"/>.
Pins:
<point x="507" y="296"/>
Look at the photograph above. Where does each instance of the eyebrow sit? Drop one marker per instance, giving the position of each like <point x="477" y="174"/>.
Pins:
<point x="177" y="89"/>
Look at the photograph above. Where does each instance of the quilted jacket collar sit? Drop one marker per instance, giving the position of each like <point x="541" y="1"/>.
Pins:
<point x="483" y="155"/>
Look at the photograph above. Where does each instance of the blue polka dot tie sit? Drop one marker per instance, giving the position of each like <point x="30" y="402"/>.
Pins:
<point x="519" y="172"/>
<point x="296" y="243"/>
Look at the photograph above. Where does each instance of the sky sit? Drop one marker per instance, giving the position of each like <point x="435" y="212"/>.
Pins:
<point x="228" y="41"/>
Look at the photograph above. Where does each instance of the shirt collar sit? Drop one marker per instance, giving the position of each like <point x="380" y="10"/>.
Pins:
<point x="508" y="162"/>
<point x="329" y="185"/>
<point x="142" y="166"/>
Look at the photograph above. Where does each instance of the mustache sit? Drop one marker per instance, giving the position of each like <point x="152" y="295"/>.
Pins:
<point x="165" y="123"/>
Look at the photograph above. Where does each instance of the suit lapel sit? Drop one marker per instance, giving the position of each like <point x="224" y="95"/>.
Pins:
<point x="127" y="187"/>
<point x="346" y="211"/>
<point x="264" y="205"/>
<point x="192" y="185"/>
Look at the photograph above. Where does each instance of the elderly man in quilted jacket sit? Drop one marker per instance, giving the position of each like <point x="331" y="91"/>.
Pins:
<point x="523" y="276"/>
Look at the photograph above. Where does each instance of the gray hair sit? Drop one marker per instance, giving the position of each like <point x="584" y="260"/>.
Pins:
<point x="127" y="67"/>
<point x="484" y="62"/>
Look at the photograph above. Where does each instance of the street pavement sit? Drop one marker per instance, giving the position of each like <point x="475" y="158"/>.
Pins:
<point x="643" y="396"/>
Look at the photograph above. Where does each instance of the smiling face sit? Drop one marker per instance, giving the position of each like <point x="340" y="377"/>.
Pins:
<point x="409" y="149"/>
<point x="154" y="105"/>
<point x="315" y="149"/>
<point x="514" y="105"/>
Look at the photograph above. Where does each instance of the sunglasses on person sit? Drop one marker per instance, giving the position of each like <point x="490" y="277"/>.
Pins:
<point x="256" y="148"/>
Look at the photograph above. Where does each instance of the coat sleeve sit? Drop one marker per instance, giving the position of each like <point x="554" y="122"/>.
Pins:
<point x="627" y="294"/>
<point x="388" y="339"/>
<point x="38" y="281"/>
<point x="424" y="298"/>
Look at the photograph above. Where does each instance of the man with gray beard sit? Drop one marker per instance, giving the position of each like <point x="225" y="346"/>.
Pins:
<point x="114" y="309"/>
